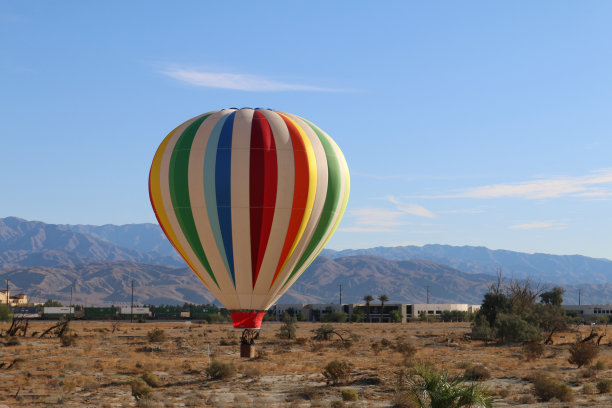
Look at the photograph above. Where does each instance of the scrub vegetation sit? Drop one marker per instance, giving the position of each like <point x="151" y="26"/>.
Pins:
<point x="353" y="364"/>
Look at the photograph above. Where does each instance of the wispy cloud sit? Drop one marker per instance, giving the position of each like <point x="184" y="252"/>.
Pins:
<point x="379" y="217"/>
<point x="415" y="209"/>
<point x="539" y="225"/>
<point x="240" y="82"/>
<point x="595" y="185"/>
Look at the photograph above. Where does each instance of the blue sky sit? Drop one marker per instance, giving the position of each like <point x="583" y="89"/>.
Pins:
<point x="463" y="123"/>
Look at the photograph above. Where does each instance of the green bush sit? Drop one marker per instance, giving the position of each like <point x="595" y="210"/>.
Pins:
<point x="218" y="370"/>
<point x="5" y="313"/>
<point x="140" y="389"/>
<point x="601" y="365"/>
<point x="288" y="329"/>
<point x="395" y="316"/>
<point x="349" y="395"/>
<point x="582" y="353"/>
<point x="604" y="386"/>
<point x="547" y="388"/>
<point x="336" y="372"/>
<point x="511" y="327"/>
<point x="337" y="316"/>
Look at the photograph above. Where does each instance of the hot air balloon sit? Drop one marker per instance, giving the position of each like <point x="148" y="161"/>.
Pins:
<point x="248" y="197"/>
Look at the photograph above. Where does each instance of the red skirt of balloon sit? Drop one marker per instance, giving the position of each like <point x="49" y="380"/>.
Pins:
<point x="247" y="320"/>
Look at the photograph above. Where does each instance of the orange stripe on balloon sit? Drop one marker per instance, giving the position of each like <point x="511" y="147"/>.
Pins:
<point x="300" y="193"/>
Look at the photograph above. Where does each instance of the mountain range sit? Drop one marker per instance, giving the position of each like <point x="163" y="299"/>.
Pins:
<point x="99" y="263"/>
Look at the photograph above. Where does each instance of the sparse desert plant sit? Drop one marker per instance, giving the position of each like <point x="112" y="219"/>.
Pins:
<point x="527" y="399"/>
<point x="151" y="379"/>
<point x="349" y="395"/>
<point x="601" y="365"/>
<point x="375" y="346"/>
<point x="504" y="392"/>
<point x="218" y="370"/>
<point x="547" y="388"/>
<point x="337" y="404"/>
<point x="582" y="353"/>
<point x="325" y="332"/>
<point x="604" y="386"/>
<point x="532" y="350"/>
<point x="288" y="329"/>
<point x="336" y="372"/>
<point x="425" y="386"/>
<point x="477" y="373"/>
<point x="12" y="341"/>
<point x="588" y="389"/>
<point x="407" y="349"/>
<point x="252" y="372"/>
<point x="67" y="339"/>
<point x="140" y="389"/>
<point x="228" y="341"/>
<point x="156" y="336"/>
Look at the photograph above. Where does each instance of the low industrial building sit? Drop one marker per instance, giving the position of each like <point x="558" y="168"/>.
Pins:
<point x="313" y="312"/>
<point x="589" y="311"/>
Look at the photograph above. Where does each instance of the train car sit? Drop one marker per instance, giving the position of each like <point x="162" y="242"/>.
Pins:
<point x="56" y="313"/>
<point x="102" y="313"/>
<point x="26" y="312"/>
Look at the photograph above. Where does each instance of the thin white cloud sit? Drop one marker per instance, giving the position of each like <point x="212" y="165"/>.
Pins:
<point x="240" y="82"/>
<point x="418" y="210"/>
<point x="366" y="229"/>
<point x="595" y="185"/>
<point x="539" y="225"/>
<point x="379" y="217"/>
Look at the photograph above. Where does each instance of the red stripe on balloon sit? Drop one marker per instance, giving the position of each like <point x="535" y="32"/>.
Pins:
<point x="262" y="189"/>
<point x="300" y="192"/>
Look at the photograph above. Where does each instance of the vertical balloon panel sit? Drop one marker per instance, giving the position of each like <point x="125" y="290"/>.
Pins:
<point x="249" y="198"/>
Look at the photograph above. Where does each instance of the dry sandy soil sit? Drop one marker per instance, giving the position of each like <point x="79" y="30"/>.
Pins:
<point x="97" y="369"/>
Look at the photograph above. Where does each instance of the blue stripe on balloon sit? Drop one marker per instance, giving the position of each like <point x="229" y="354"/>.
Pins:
<point x="223" y="186"/>
<point x="210" y="189"/>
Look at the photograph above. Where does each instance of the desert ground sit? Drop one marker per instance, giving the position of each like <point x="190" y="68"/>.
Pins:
<point x="97" y="369"/>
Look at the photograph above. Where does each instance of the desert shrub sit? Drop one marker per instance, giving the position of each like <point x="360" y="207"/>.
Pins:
<point x="527" y="399"/>
<point x="151" y="379"/>
<point x="325" y="332"/>
<point x="601" y="365"/>
<point x="375" y="346"/>
<point x="317" y="346"/>
<point x="261" y="354"/>
<point x="140" y="389"/>
<point x="218" y="370"/>
<point x="337" y="404"/>
<point x="5" y="313"/>
<point x="477" y="373"/>
<point x="588" y="389"/>
<point x="511" y="327"/>
<point x="504" y="392"/>
<point x="12" y="341"/>
<point x="463" y="364"/>
<point x="252" y="372"/>
<point x="582" y="353"/>
<point x="349" y="395"/>
<point x="156" y="336"/>
<point x="547" y="388"/>
<point x="67" y="339"/>
<point x="336" y="372"/>
<point x="386" y="343"/>
<point x="288" y="329"/>
<point x="228" y="341"/>
<point x="604" y="386"/>
<point x="395" y="316"/>
<point x="407" y="349"/>
<point x="532" y="350"/>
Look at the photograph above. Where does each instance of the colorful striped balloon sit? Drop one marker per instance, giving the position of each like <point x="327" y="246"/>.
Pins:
<point x="248" y="197"/>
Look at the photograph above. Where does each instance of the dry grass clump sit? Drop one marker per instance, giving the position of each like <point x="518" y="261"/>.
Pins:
<point x="140" y="389"/>
<point x="218" y="370"/>
<point x="151" y="379"/>
<point x="532" y="350"/>
<point x="68" y="339"/>
<point x="604" y="386"/>
<point x="349" y="395"/>
<point x="547" y="388"/>
<point x="582" y="353"/>
<point x="156" y="336"/>
<point x="477" y="373"/>
<point x="336" y="372"/>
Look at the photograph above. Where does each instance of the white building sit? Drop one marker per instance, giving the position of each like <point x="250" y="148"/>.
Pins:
<point x="589" y="310"/>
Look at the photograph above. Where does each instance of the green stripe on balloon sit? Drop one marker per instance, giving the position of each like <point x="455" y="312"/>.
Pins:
<point x="332" y="198"/>
<point x="178" y="182"/>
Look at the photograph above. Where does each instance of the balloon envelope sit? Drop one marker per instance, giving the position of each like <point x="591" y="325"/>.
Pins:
<point x="248" y="197"/>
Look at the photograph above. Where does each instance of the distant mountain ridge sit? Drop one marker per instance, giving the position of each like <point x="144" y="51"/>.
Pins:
<point x="34" y="243"/>
<point x="47" y="258"/>
<point x="563" y="269"/>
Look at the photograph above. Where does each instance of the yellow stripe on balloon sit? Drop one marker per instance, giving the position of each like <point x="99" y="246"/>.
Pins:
<point x="158" y="203"/>
<point x="312" y="187"/>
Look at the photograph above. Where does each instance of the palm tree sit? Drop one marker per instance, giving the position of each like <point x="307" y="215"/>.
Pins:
<point x="428" y="388"/>
<point x="383" y="299"/>
<point x="368" y="299"/>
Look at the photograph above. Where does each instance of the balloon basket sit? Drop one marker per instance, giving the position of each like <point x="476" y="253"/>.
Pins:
<point x="247" y="351"/>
